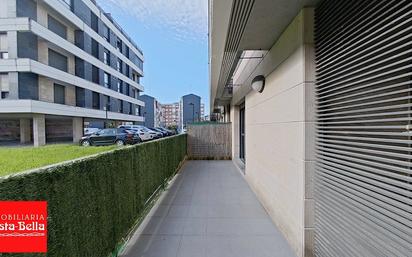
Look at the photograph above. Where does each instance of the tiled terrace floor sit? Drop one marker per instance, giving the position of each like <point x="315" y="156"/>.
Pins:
<point x="209" y="211"/>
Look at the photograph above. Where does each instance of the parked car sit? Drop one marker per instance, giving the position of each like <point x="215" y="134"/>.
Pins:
<point x="131" y="126"/>
<point x="143" y="135"/>
<point x="164" y="133"/>
<point x="168" y="131"/>
<point x="89" y="131"/>
<point x="117" y="136"/>
<point x="156" y="134"/>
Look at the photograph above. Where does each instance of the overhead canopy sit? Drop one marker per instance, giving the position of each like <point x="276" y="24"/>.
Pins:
<point x="238" y="25"/>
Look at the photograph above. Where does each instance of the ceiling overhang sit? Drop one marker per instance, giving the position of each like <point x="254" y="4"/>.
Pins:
<point x="239" y="25"/>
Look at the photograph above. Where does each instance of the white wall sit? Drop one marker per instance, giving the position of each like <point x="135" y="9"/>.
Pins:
<point x="280" y="134"/>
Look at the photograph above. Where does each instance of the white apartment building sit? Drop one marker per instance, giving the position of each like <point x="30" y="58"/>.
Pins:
<point x="63" y="63"/>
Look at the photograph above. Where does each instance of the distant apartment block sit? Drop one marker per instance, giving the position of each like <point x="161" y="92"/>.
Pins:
<point x="171" y="114"/>
<point x="152" y="111"/>
<point x="64" y="63"/>
<point x="190" y="110"/>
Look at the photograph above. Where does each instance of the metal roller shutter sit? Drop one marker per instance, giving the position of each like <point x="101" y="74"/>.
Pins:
<point x="363" y="184"/>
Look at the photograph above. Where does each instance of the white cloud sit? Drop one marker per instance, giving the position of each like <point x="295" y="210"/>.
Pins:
<point x="187" y="18"/>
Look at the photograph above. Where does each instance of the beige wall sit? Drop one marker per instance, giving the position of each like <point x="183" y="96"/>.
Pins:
<point x="280" y="134"/>
<point x="46" y="89"/>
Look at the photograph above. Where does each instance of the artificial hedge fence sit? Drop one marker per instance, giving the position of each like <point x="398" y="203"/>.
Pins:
<point x="94" y="202"/>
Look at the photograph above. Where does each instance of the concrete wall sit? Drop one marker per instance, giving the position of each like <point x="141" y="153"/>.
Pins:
<point x="280" y="134"/>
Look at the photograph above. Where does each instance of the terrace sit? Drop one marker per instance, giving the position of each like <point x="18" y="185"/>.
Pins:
<point x="208" y="210"/>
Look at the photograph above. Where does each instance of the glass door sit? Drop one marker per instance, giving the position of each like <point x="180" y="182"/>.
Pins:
<point x="242" y="132"/>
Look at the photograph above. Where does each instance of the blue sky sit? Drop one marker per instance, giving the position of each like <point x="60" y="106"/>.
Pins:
<point x="173" y="37"/>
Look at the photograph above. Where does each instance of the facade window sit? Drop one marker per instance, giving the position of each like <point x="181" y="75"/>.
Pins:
<point x="120" y="106"/>
<point x="57" y="60"/>
<point x="127" y="71"/>
<point x="57" y="27"/>
<point x="126" y="90"/>
<point x="59" y="94"/>
<point x="96" y="101"/>
<point x="119" y="86"/>
<point x="94" y="21"/>
<point x="119" y="45"/>
<point x="4" y="86"/>
<point x="95" y="48"/>
<point x="107" y="103"/>
<point x="95" y="75"/>
<point x="106" y="34"/>
<point x="127" y="52"/>
<point x="4" y="51"/>
<point x="119" y="65"/>
<point x="80" y="97"/>
<point x="106" y="56"/>
<point x="107" y="80"/>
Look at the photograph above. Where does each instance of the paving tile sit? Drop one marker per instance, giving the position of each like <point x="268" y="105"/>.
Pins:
<point x="160" y="210"/>
<point x="235" y="226"/>
<point x="178" y="211"/>
<point x="154" y="246"/>
<point x="195" y="226"/>
<point x="164" y="226"/>
<point x="209" y="211"/>
<point x="192" y="246"/>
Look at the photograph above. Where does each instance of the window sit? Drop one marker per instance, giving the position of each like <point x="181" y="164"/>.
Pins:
<point x="119" y="45"/>
<point x="80" y="97"/>
<point x="107" y="103"/>
<point x="57" y="60"/>
<point x="95" y="48"/>
<point x="127" y="52"/>
<point x="107" y="80"/>
<point x="120" y="106"/>
<point x="108" y="132"/>
<point x="96" y="101"/>
<point x="95" y="75"/>
<point x="119" y="65"/>
<point x="59" y="94"/>
<point x="4" y="51"/>
<point x="126" y="90"/>
<point x="127" y="71"/>
<point x="57" y="27"/>
<point x="106" y="56"/>
<point x="4" y="85"/>
<point x="94" y="21"/>
<point x="106" y="34"/>
<point x="119" y="86"/>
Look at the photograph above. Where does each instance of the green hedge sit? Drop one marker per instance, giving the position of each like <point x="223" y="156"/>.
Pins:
<point x="93" y="203"/>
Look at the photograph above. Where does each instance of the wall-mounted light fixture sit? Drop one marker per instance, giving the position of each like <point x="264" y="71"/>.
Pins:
<point x="258" y="83"/>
